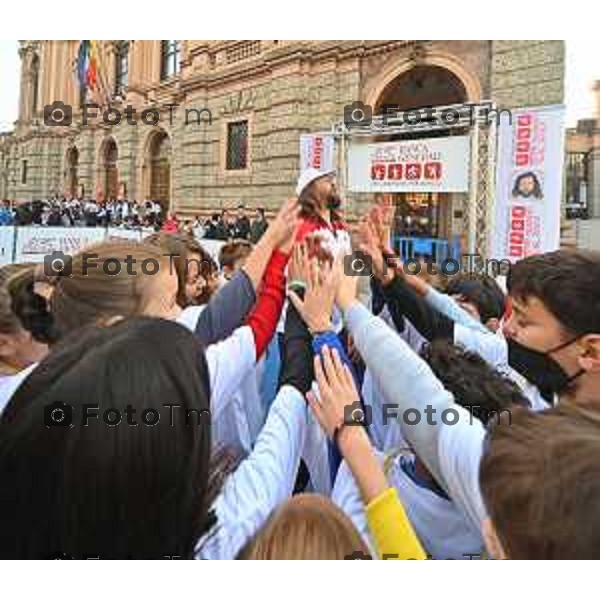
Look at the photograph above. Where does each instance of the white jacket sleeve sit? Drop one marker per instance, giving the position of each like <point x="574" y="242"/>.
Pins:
<point x="229" y="362"/>
<point x="452" y="452"/>
<point x="262" y="481"/>
<point x="470" y="333"/>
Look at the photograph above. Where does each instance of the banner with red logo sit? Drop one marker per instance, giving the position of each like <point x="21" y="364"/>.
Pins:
<point x="317" y="152"/>
<point x="428" y="165"/>
<point x="528" y="183"/>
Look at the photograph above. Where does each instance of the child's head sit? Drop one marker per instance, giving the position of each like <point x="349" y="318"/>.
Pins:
<point x="480" y="296"/>
<point x="554" y="323"/>
<point x="473" y="382"/>
<point x="133" y="482"/>
<point x="233" y="255"/>
<point x="189" y="261"/>
<point x="540" y="482"/>
<point x="26" y="326"/>
<point x="306" y="527"/>
<point x="142" y="283"/>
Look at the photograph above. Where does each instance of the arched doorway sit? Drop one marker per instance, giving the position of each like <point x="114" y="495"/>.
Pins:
<point x="159" y="160"/>
<point x="71" y="172"/>
<point x="424" y="85"/>
<point x="110" y="171"/>
<point x="424" y="216"/>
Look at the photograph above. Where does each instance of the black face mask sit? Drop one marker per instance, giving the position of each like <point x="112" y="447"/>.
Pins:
<point x="540" y="368"/>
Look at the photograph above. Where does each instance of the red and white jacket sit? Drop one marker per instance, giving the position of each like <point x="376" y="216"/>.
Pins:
<point x="335" y="238"/>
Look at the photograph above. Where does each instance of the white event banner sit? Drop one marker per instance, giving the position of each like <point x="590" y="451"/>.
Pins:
<point x="33" y="243"/>
<point x="426" y="165"/>
<point x="528" y="183"/>
<point x="317" y="152"/>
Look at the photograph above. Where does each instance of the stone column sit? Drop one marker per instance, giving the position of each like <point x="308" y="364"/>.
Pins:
<point x="593" y="189"/>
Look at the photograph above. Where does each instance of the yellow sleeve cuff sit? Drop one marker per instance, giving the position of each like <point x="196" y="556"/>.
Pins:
<point x="391" y="530"/>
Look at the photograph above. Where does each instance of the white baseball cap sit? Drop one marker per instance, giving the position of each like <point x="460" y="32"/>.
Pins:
<point x="308" y="176"/>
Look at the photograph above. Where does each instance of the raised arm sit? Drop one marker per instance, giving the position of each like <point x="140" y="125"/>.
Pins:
<point x="262" y="481"/>
<point x="401" y="298"/>
<point x="429" y="322"/>
<point x="226" y="310"/>
<point x="451" y="452"/>
<point x="393" y="534"/>
<point x="230" y="306"/>
<point x="267" y="477"/>
<point x="277" y="234"/>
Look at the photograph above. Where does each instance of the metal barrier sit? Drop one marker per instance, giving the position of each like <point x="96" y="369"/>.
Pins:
<point x="33" y="243"/>
<point x="437" y="249"/>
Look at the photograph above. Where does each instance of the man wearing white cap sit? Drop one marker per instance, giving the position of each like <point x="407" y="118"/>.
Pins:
<point x="319" y="202"/>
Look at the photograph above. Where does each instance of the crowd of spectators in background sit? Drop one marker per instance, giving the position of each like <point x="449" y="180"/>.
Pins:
<point x="128" y="214"/>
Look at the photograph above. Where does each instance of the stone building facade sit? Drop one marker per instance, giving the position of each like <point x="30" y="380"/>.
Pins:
<point x="582" y="177"/>
<point x="262" y="95"/>
<point x="583" y="162"/>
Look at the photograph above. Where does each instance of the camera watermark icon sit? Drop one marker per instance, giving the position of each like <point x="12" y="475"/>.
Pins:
<point x="58" y="263"/>
<point x="358" y="114"/>
<point x="58" y="114"/>
<point x="358" y="414"/>
<point x="60" y="414"/>
<point x="358" y="264"/>
<point x="358" y="555"/>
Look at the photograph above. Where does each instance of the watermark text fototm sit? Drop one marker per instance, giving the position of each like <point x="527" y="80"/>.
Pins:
<point x="60" y="414"/>
<point x="59" y="114"/>
<point x="359" y="114"/>
<point x="359" y="414"/>
<point x="65" y="556"/>
<point x="358" y="263"/>
<point x="60" y="264"/>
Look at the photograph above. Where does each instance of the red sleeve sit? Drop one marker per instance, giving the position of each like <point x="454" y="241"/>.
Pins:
<point x="265" y="314"/>
<point x="306" y="228"/>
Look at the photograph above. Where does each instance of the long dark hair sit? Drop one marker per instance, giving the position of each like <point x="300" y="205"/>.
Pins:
<point x="113" y="491"/>
<point x="309" y="209"/>
<point x="537" y="188"/>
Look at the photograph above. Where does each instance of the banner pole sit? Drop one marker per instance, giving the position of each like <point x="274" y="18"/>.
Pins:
<point x="473" y="188"/>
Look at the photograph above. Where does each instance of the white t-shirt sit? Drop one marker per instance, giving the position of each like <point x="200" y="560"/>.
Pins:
<point x="440" y="526"/>
<point x="238" y="413"/>
<point x="262" y="481"/>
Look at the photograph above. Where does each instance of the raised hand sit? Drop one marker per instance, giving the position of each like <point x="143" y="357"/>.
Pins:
<point x="382" y="217"/>
<point x="369" y="244"/>
<point x="317" y="248"/>
<point x="317" y="306"/>
<point x="336" y="391"/>
<point x="281" y="231"/>
<point x="299" y="265"/>
<point x="345" y="293"/>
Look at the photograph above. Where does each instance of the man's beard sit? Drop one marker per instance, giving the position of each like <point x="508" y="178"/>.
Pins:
<point x="525" y="194"/>
<point x="334" y="201"/>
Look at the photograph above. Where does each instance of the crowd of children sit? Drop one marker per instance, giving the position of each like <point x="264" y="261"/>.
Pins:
<point x="272" y="406"/>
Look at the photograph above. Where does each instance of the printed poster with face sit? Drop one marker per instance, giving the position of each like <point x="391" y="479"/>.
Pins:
<point x="528" y="183"/>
